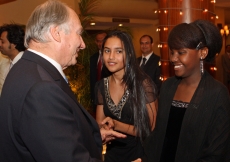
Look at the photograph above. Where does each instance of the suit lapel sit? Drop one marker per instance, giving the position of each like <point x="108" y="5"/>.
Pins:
<point x="150" y="61"/>
<point x="171" y="87"/>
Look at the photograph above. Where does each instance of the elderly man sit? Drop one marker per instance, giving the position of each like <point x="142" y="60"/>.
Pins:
<point x="40" y="118"/>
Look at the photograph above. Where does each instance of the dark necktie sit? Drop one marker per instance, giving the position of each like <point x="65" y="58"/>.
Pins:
<point x="143" y="62"/>
<point x="99" y="66"/>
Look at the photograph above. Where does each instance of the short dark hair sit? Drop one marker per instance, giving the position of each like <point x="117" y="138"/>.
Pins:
<point x="190" y="35"/>
<point x="151" y="39"/>
<point x="15" y="35"/>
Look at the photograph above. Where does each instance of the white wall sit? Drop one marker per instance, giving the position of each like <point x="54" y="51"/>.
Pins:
<point x="20" y="10"/>
<point x="149" y="30"/>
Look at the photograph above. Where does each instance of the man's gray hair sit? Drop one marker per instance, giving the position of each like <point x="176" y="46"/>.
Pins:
<point x="44" y="16"/>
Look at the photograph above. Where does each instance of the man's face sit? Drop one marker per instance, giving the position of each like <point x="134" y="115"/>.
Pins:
<point x="72" y="41"/>
<point x="5" y="45"/>
<point x="99" y="40"/>
<point x="146" y="46"/>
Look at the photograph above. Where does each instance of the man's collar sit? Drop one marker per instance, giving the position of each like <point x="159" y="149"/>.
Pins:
<point x="53" y="62"/>
<point x="17" y="57"/>
<point x="147" y="56"/>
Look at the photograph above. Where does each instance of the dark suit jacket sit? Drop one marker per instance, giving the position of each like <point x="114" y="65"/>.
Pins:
<point x="205" y="128"/>
<point x="40" y="118"/>
<point x="152" y="69"/>
<point x="93" y="73"/>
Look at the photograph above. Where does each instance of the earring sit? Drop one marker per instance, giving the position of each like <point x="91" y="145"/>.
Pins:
<point x="201" y="66"/>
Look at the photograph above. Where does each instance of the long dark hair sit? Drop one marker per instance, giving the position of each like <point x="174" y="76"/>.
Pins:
<point x="133" y="79"/>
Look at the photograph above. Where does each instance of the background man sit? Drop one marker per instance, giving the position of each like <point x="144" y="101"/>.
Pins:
<point x="12" y="46"/>
<point x="149" y="61"/>
<point x="40" y="118"/>
<point x="4" y="69"/>
<point x="226" y="67"/>
<point x="97" y="70"/>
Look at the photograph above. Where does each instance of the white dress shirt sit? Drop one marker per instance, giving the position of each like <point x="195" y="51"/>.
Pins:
<point x="19" y="55"/>
<point x="4" y="69"/>
<point x="53" y="62"/>
<point x="147" y="58"/>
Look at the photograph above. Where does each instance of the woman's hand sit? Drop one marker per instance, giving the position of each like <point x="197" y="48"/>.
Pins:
<point x="108" y="123"/>
<point x="108" y="135"/>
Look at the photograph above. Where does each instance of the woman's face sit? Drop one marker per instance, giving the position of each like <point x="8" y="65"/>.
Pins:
<point x="114" y="55"/>
<point x="186" y="62"/>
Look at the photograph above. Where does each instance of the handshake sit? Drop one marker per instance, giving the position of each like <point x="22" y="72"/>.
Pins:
<point x="107" y="132"/>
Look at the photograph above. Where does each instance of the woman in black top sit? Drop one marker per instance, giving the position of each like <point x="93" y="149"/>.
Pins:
<point x="193" y="122"/>
<point x="126" y="100"/>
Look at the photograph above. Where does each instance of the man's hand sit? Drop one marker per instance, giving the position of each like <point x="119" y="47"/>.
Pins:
<point x="108" y="135"/>
<point x="137" y="160"/>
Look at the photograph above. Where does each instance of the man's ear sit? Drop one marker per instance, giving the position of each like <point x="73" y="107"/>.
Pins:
<point x="55" y="33"/>
<point x="13" y="46"/>
<point x="203" y="52"/>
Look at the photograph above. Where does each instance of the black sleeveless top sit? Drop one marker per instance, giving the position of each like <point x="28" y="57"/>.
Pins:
<point x="176" y="116"/>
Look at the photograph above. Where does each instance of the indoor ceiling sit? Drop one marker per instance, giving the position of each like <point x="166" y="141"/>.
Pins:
<point x="136" y="12"/>
<point x="132" y="12"/>
<point x="226" y="5"/>
<point x="139" y="9"/>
